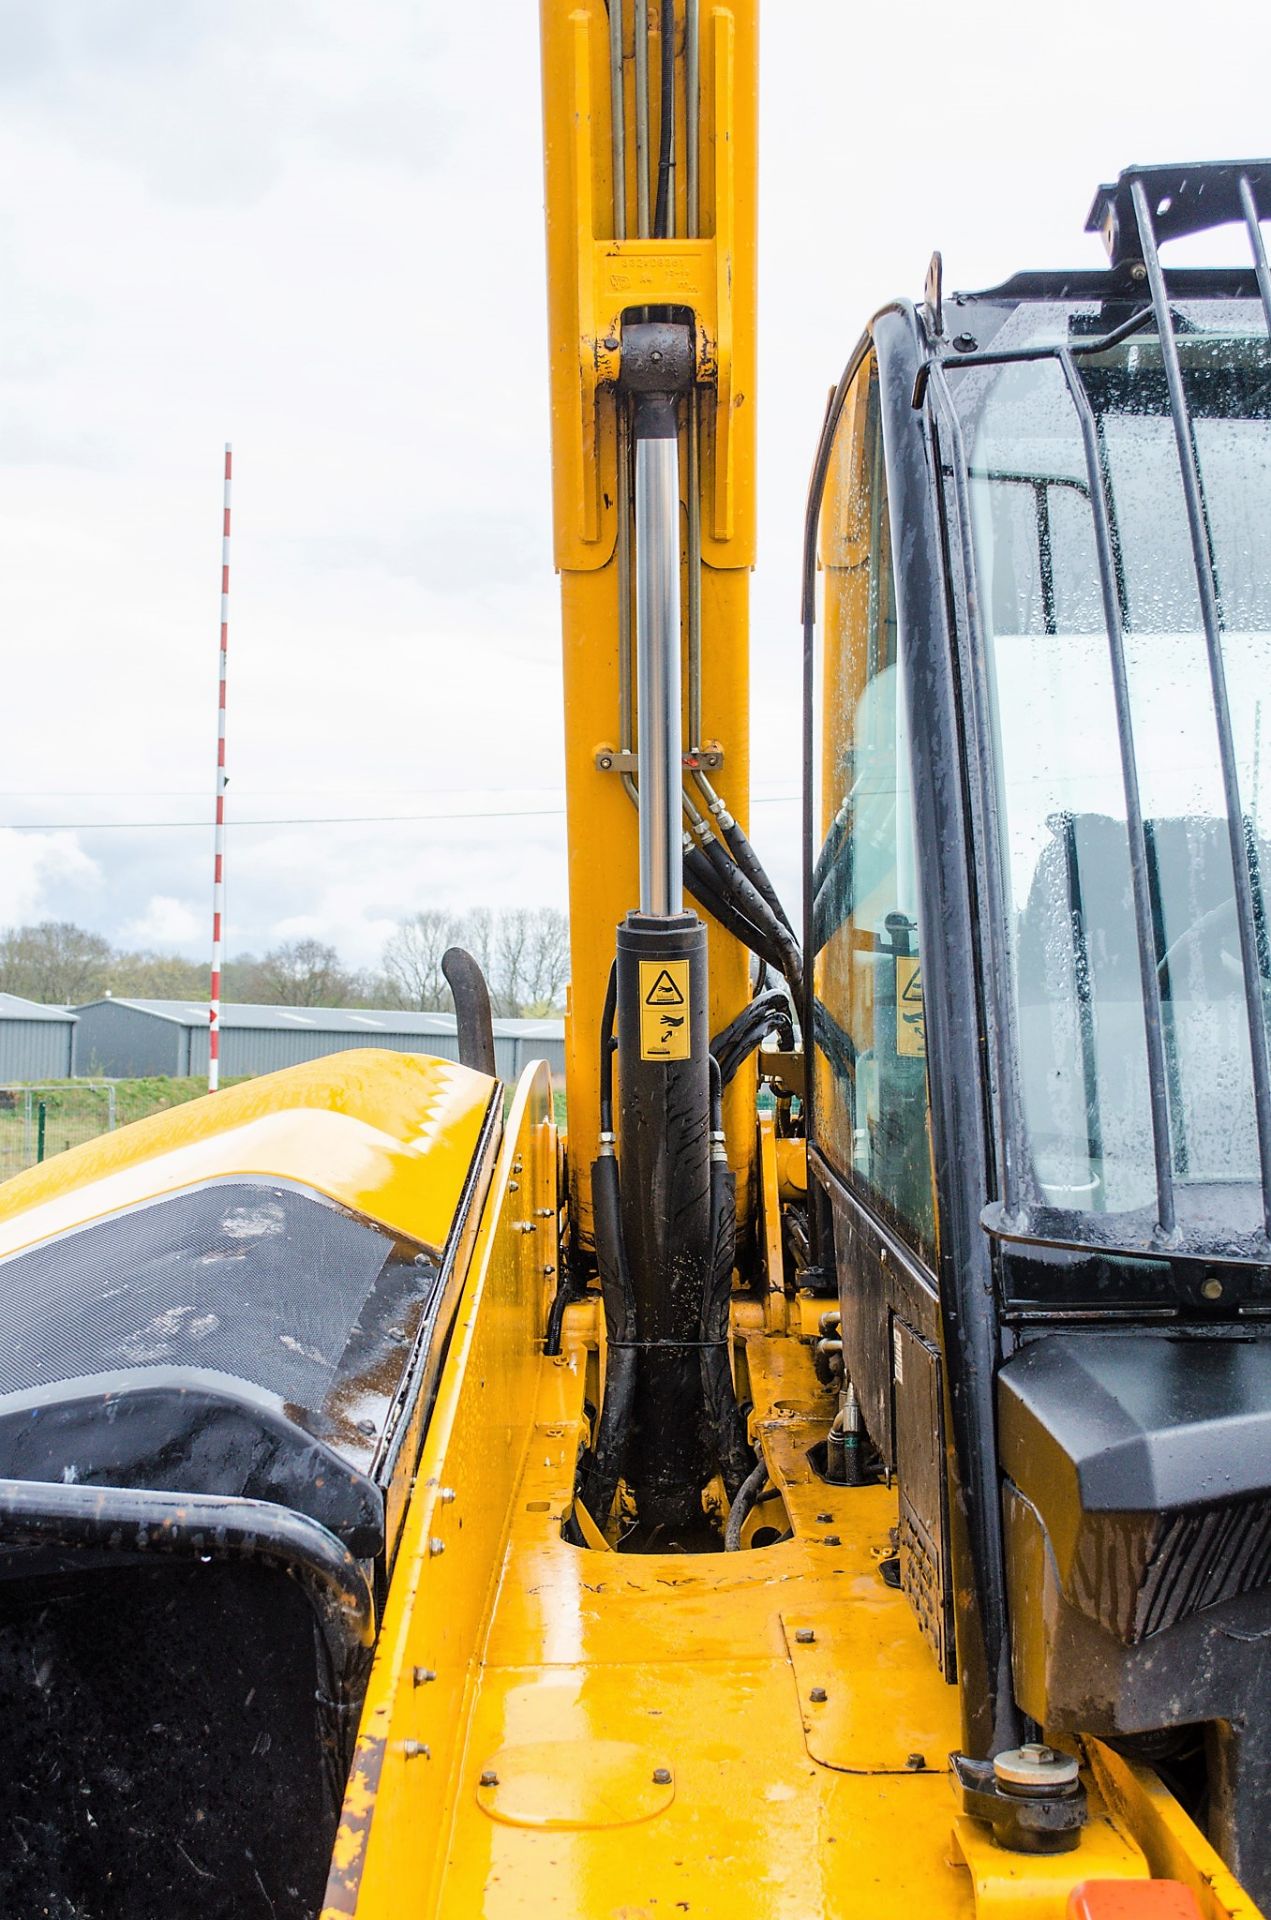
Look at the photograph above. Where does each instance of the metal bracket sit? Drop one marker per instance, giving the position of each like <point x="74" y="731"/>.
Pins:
<point x="609" y="277"/>
<point x="1021" y="1823"/>
<point x="707" y="759"/>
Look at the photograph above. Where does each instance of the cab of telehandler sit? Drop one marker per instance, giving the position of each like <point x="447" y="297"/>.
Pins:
<point x="1040" y="979"/>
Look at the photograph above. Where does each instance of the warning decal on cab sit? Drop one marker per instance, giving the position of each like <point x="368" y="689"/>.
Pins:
<point x="665" y="1028"/>
<point x="911" y="1013"/>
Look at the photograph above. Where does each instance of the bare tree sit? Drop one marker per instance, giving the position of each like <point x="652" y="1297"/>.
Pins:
<point x="412" y="960"/>
<point x="524" y="954"/>
<point x="302" y="973"/>
<point x="531" y="960"/>
<point x="55" y="961"/>
<point x="546" y="965"/>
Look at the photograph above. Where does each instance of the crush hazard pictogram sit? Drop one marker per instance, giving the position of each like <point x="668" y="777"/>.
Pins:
<point x="664" y="992"/>
<point x="665" y="1025"/>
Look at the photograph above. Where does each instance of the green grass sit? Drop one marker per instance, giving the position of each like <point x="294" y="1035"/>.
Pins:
<point x="75" y="1111"/>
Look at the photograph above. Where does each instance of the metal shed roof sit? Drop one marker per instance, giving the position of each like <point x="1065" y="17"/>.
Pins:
<point x="14" y="1007"/>
<point x="351" y="1020"/>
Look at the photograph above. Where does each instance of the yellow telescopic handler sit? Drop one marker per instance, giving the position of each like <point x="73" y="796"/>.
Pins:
<point x="836" y="1482"/>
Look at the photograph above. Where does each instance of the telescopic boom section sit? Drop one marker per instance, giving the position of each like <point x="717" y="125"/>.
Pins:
<point x="650" y="193"/>
<point x="651" y="336"/>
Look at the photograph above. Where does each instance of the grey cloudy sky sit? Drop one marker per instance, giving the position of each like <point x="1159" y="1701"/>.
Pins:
<point x="315" y="228"/>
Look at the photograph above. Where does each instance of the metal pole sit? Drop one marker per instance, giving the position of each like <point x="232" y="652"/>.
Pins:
<point x="41" y="1119"/>
<point x="657" y="556"/>
<point x="218" y="841"/>
<point x="642" y="116"/>
<point x="1249" y="207"/>
<point x="1212" y="621"/>
<point x="618" y="132"/>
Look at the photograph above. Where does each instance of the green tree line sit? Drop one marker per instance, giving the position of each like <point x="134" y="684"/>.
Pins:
<point x="524" y="952"/>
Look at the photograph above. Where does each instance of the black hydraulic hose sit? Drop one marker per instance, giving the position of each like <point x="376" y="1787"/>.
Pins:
<point x="198" y="1527"/>
<point x="747" y="1497"/>
<point x="735" y="887"/>
<point x="472" y="1010"/>
<point x="767" y="1013"/>
<point x="717" y="1092"/>
<point x="700" y="881"/>
<point x="770" y="1000"/>
<point x="602" y="1470"/>
<point x="666" y="136"/>
<point x="724" y="1417"/>
<point x="752" y="866"/>
<point x="753" y="1037"/>
<point x="556" y="1318"/>
<point x="607" y="1017"/>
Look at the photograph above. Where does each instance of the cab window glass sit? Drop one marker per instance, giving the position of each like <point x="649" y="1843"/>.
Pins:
<point x="870" y="1040"/>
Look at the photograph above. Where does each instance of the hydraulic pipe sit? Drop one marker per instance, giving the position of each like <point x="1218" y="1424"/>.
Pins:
<point x="657" y="558"/>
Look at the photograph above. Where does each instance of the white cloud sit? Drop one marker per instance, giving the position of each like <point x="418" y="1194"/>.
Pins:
<point x="168" y="924"/>
<point x="39" y="872"/>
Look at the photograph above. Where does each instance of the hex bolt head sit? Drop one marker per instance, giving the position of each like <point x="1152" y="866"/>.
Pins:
<point x="446" y="1493"/>
<point x="416" y="1750"/>
<point x="915" y="1762"/>
<point x="824" y="1519"/>
<point x="422" y="1676"/>
<point x="661" y="1776"/>
<point x="818" y="1696"/>
<point x="436" y="1546"/>
<point x="805" y="1636"/>
<point x="1035" y="1769"/>
<point x="489" y="1778"/>
<point x="1211" y="1289"/>
<point x="832" y="1540"/>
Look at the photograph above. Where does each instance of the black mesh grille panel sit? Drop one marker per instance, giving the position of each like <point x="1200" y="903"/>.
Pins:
<point x="257" y="1281"/>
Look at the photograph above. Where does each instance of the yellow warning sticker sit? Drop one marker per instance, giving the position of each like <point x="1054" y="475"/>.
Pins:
<point x="911" y="1013"/>
<point x="665" y="1028"/>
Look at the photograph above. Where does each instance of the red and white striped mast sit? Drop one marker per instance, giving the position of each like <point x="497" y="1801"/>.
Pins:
<point x="218" y="843"/>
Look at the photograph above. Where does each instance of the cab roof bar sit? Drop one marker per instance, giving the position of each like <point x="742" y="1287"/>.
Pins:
<point x="1184" y="199"/>
<point x="1180" y="204"/>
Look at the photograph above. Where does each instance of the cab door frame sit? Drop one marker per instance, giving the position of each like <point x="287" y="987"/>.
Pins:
<point x="955" y="1307"/>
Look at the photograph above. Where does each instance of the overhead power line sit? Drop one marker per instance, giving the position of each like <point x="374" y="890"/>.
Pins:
<point x="316" y="820"/>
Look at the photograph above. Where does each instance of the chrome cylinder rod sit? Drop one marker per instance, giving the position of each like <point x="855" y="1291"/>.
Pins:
<point x="657" y="570"/>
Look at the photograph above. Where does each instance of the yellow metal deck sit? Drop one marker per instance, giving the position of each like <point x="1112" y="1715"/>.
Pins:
<point x="552" y="1730"/>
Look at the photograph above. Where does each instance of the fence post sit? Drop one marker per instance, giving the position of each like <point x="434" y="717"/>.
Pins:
<point x="110" y="1108"/>
<point x="41" y="1117"/>
<point x="26" y="1127"/>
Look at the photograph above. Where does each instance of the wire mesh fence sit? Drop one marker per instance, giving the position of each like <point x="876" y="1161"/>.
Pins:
<point x="37" y="1122"/>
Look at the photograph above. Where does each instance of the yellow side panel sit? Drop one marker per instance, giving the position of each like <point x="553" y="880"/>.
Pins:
<point x="389" y="1135"/>
<point x="387" y="1855"/>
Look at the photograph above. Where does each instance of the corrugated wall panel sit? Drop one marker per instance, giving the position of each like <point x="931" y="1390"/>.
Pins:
<point x="116" y="1042"/>
<point x="35" y="1049"/>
